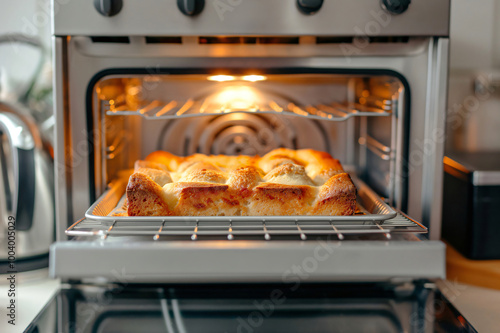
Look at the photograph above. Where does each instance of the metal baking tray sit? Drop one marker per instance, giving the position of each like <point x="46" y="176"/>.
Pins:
<point x="370" y="207"/>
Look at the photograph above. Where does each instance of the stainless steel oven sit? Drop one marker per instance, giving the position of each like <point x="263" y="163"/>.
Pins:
<point x="362" y="80"/>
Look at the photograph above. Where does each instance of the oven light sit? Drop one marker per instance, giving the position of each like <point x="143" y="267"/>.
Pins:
<point x="221" y="78"/>
<point x="237" y="98"/>
<point x="254" y="78"/>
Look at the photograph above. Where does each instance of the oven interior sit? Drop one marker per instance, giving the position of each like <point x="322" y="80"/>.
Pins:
<point x="357" y="118"/>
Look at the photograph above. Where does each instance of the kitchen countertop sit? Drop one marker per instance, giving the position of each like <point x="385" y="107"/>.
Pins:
<point x="33" y="291"/>
<point x="480" y="306"/>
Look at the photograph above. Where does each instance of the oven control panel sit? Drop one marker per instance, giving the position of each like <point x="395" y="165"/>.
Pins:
<point x="108" y="7"/>
<point x="309" y="6"/>
<point x="396" y="6"/>
<point x="251" y="17"/>
<point x="191" y="7"/>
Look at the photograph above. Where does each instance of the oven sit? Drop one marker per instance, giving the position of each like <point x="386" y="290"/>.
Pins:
<point x="365" y="81"/>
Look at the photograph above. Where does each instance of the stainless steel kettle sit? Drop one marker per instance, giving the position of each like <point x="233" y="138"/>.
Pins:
<point x="26" y="193"/>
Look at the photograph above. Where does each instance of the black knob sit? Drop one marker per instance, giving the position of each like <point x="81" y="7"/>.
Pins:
<point x="108" y="7"/>
<point x="191" y="7"/>
<point x="309" y="6"/>
<point x="396" y="6"/>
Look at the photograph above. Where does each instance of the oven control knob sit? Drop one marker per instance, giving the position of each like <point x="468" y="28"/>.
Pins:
<point x="396" y="6"/>
<point x="191" y="7"/>
<point x="309" y="6"/>
<point x="108" y="7"/>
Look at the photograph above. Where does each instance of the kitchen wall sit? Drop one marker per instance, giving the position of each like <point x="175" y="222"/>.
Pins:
<point x="473" y="121"/>
<point x="18" y="62"/>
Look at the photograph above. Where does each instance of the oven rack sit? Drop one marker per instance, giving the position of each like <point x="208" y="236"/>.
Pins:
<point x="234" y="229"/>
<point x="196" y="108"/>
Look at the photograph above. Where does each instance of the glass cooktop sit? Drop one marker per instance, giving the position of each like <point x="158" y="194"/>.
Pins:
<point x="249" y="309"/>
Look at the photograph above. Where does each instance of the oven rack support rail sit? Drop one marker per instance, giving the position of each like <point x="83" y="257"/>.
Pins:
<point x="196" y="108"/>
<point x="159" y="230"/>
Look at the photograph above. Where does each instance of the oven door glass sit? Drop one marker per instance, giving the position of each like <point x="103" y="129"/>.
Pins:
<point x="310" y="308"/>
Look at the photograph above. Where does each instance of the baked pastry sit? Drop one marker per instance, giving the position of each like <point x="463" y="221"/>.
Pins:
<point x="282" y="182"/>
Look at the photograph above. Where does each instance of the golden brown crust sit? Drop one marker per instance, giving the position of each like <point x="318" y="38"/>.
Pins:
<point x="194" y="165"/>
<point x="145" y="197"/>
<point x="158" y="176"/>
<point x="149" y="165"/>
<point x="276" y="199"/>
<point x="204" y="199"/>
<point x="336" y="197"/>
<point x="244" y="178"/>
<point x="289" y="174"/>
<point x="171" y="161"/>
<point x="204" y="175"/>
<point x="282" y="182"/>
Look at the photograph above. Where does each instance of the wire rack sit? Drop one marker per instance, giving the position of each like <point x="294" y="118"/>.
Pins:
<point x="194" y="108"/>
<point x="242" y="229"/>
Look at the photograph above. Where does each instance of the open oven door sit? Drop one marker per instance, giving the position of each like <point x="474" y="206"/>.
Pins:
<point x="251" y="308"/>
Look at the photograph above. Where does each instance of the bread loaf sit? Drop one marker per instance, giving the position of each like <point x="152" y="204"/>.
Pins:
<point x="282" y="182"/>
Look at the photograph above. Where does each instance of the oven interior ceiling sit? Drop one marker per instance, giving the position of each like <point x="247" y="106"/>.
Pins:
<point x="353" y="117"/>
